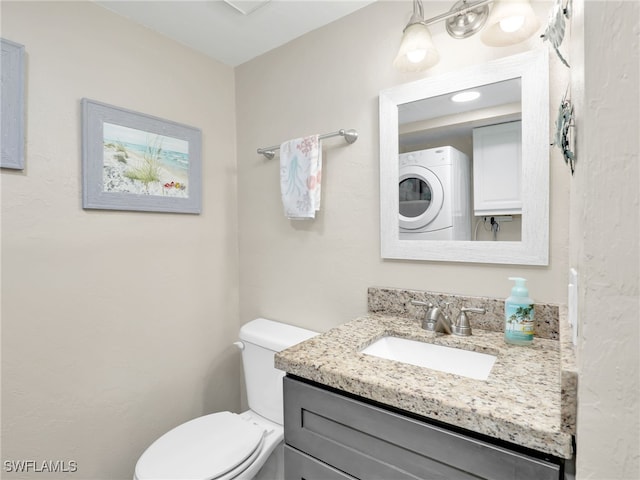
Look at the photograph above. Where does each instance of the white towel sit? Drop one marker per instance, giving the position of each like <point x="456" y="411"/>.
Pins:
<point x="300" y="176"/>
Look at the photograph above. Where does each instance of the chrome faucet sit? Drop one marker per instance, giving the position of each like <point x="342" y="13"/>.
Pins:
<point x="440" y="319"/>
<point x="436" y="319"/>
<point x="427" y="323"/>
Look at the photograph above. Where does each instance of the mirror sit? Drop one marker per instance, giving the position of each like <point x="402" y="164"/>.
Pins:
<point x="449" y="172"/>
<point x="487" y="205"/>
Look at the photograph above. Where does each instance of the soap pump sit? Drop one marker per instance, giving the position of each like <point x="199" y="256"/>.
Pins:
<point x="518" y="309"/>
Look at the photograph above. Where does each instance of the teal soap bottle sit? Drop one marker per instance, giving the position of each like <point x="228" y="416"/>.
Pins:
<point x="518" y="314"/>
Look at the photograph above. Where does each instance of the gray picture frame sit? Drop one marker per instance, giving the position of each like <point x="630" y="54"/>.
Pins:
<point x="133" y="161"/>
<point x="12" y="105"/>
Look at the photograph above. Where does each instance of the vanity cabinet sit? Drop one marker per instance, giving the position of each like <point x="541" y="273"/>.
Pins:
<point x="330" y="435"/>
<point x="497" y="169"/>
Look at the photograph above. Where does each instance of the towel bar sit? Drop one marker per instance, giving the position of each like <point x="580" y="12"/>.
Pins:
<point x="349" y="135"/>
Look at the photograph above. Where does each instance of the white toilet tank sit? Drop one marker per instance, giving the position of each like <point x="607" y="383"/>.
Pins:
<point x="261" y="339"/>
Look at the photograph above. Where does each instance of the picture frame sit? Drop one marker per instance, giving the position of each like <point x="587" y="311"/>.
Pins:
<point x="12" y="105"/>
<point x="138" y="162"/>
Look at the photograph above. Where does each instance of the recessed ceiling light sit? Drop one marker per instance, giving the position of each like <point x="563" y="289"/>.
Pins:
<point x="467" y="96"/>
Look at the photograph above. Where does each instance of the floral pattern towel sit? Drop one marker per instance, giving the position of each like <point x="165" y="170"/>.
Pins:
<point x="300" y="175"/>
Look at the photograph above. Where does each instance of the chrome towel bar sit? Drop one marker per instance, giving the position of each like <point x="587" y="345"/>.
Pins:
<point x="349" y="135"/>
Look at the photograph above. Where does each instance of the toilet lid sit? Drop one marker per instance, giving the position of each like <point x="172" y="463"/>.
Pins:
<point x="204" y="448"/>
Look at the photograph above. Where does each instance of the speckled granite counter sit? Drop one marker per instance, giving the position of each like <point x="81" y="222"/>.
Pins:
<point x="568" y="376"/>
<point x="520" y="402"/>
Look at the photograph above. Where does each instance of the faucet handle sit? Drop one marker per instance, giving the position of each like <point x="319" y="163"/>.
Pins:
<point x="421" y="304"/>
<point x="462" y="326"/>
<point x="473" y="310"/>
<point x="427" y="323"/>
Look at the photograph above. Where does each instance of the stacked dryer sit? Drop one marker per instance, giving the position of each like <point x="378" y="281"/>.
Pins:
<point x="435" y="195"/>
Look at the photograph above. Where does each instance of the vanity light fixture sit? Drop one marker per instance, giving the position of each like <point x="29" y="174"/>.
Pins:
<point x="417" y="51"/>
<point x="468" y="96"/>
<point x="510" y="22"/>
<point x="468" y="19"/>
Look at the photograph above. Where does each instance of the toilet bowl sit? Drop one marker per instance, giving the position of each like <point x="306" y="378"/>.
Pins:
<point x="225" y="445"/>
<point x="219" y="446"/>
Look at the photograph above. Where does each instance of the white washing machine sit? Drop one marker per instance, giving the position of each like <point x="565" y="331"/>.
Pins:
<point x="435" y="195"/>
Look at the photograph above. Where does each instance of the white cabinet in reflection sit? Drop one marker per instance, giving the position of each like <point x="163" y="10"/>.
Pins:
<point x="497" y="169"/>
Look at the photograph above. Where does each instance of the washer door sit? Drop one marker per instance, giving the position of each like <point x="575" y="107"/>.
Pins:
<point x="421" y="197"/>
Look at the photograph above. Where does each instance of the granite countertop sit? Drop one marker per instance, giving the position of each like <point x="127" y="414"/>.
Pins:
<point x="523" y="401"/>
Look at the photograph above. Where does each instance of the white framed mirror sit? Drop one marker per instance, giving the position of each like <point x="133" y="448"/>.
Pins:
<point x="447" y="172"/>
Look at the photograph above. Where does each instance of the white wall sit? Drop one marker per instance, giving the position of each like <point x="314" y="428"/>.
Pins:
<point x="316" y="273"/>
<point x="605" y="238"/>
<point x="116" y="326"/>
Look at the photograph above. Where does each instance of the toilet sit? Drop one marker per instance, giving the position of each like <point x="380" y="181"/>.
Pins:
<point x="225" y="445"/>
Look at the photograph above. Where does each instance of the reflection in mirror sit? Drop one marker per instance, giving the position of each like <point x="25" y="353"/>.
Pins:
<point x="458" y="120"/>
<point x="452" y="173"/>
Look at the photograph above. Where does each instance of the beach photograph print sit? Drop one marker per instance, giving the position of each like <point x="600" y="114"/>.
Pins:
<point x="144" y="163"/>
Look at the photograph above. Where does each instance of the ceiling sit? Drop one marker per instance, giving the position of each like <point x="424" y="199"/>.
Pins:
<point x="498" y="102"/>
<point x="233" y="31"/>
<point x="491" y="95"/>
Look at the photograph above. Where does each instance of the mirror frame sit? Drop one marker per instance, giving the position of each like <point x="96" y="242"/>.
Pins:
<point x="533" y="69"/>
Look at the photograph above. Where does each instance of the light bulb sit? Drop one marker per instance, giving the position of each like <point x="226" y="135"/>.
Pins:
<point x="416" y="56"/>
<point x="512" y="24"/>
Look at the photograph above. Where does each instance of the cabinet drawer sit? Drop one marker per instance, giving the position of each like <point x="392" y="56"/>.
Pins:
<point x="371" y="443"/>
<point x="299" y="466"/>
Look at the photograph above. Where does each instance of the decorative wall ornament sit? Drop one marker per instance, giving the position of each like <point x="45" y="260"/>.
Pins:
<point x="554" y="34"/>
<point x="556" y="27"/>
<point x="563" y="138"/>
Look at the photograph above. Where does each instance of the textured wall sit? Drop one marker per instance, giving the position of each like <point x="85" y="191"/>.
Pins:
<point x="605" y="238"/>
<point x="116" y="326"/>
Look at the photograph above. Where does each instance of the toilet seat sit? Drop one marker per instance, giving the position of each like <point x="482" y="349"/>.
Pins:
<point x="218" y="446"/>
<point x="231" y="474"/>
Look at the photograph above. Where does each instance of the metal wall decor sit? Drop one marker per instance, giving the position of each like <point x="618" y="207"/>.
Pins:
<point x="563" y="138"/>
<point x="554" y="33"/>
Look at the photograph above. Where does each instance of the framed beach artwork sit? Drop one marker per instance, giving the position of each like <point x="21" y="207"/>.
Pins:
<point x="133" y="161"/>
<point x="12" y="105"/>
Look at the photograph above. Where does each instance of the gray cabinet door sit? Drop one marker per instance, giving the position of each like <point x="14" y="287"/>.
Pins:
<point x="299" y="466"/>
<point x="371" y="443"/>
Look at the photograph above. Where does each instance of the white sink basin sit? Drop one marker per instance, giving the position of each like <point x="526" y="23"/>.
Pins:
<point x="445" y="359"/>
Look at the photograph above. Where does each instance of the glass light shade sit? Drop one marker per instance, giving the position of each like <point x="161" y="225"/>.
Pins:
<point x="417" y="51"/>
<point x="510" y="22"/>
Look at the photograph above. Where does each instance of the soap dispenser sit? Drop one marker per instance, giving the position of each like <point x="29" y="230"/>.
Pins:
<point x="518" y="310"/>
